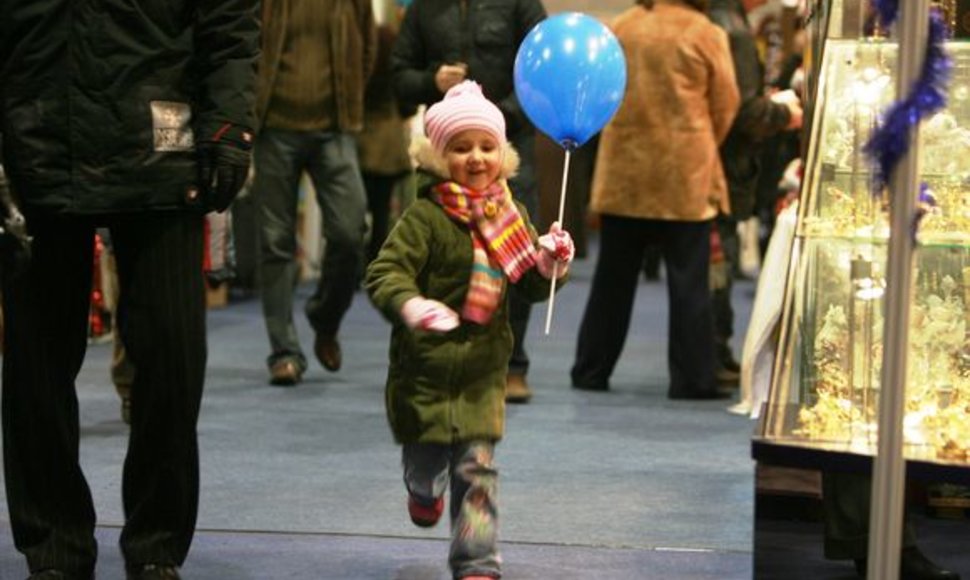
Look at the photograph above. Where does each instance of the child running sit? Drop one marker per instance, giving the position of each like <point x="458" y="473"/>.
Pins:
<point x="441" y="279"/>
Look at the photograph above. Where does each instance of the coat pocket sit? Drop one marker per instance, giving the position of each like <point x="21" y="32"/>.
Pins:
<point x="37" y="140"/>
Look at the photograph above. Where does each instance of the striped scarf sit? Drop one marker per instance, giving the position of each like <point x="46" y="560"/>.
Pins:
<point x="500" y="242"/>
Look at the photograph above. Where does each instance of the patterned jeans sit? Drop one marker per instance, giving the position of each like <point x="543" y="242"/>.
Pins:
<point x="468" y="466"/>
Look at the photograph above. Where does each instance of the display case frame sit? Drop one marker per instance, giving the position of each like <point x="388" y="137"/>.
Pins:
<point x="829" y="355"/>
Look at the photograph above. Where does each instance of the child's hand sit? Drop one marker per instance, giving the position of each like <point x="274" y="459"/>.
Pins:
<point x="555" y="249"/>
<point x="423" y="314"/>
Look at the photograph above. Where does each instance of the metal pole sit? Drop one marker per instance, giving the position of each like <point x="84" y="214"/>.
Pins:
<point x="888" y="482"/>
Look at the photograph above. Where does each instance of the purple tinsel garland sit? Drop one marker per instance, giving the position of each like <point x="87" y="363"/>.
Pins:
<point x="890" y="140"/>
<point x="924" y="205"/>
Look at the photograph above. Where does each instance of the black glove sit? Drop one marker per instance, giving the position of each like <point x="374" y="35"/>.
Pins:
<point x="14" y="241"/>
<point x="224" y="162"/>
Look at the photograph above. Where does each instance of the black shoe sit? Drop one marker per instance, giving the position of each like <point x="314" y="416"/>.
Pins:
<point x="700" y="396"/>
<point x="52" y="574"/>
<point x="154" y="572"/>
<point x="723" y="357"/>
<point x="591" y="386"/>
<point x="913" y="565"/>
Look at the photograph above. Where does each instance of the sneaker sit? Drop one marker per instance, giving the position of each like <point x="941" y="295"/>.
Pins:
<point x="285" y="373"/>
<point x="517" y="389"/>
<point x="425" y="516"/>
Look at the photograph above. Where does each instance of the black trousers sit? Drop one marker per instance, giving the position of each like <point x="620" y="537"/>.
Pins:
<point x="686" y="249"/>
<point x="845" y="502"/>
<point x="379" y="189"/>
<point x="159" y="258"/>
<point x="727" y="228"/>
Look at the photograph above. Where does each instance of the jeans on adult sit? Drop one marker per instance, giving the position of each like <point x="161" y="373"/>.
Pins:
<point x="330" y="159"/>
<point x="525" y="190"/>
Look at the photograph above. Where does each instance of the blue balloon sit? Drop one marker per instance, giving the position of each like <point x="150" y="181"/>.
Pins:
<point x="570" y="75"/>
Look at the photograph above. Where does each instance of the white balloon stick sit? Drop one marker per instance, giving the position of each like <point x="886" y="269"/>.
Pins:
<point x="555" y="264"/>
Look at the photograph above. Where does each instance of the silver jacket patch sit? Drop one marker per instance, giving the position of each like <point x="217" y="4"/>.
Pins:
<point x="171" y="122"/>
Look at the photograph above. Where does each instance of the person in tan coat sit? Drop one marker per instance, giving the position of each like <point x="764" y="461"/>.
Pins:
<point x="659" y="179"/>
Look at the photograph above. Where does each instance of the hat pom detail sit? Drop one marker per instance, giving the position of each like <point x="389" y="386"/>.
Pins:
<point x="463" y="107"/>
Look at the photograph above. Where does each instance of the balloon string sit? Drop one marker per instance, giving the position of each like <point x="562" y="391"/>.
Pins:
<point x="555" y="265"/>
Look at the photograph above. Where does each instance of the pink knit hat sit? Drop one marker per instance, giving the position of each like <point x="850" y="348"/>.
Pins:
<point x="464" y="107"/>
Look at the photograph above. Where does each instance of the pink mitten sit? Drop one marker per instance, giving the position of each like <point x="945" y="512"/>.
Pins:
<point x="423" y="314"/>
<point x="555" y="249"/>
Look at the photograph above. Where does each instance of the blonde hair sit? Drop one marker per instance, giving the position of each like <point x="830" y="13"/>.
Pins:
<point x="425" y="155"/>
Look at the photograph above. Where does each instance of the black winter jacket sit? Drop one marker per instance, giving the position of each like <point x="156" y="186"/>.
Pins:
<point x="758" y="118"/>
<point x="484" y="34"/>
<point x="102" y="101"/>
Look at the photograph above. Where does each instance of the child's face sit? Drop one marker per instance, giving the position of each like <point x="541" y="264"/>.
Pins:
<point x="474" y="158"/>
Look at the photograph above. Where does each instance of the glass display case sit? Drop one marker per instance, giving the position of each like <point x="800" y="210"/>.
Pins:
<point x="817" y="431"/>
<point x="826" y="381"/>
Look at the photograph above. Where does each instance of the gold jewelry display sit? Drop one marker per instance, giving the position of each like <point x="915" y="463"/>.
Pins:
<point x="938" y="393"/>
<point x="827" y="385"/>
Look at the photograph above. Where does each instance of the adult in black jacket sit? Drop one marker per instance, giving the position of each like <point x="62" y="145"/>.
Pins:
<point x="133" y="115"/>
<point x="443" y="42"/>
<point x="758" y="118"/>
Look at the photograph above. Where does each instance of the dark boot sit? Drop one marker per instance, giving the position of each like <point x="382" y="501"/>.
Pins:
<point x="726" y="368"/>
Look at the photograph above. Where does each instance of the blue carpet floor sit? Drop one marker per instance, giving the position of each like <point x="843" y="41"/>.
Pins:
<point x="306" y="483"/>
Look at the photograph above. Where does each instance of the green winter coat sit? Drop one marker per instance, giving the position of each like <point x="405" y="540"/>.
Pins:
<point x="442" y="388"/>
